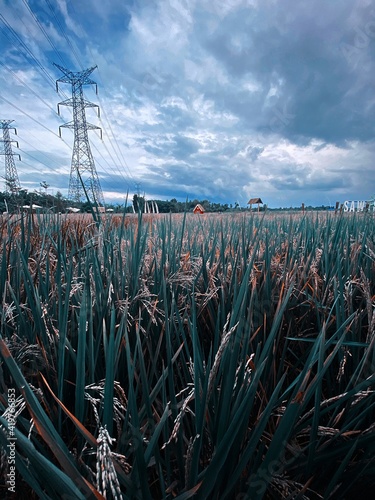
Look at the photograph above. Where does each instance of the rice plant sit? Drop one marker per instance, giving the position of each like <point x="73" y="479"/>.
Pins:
<point x="182" y="357"/>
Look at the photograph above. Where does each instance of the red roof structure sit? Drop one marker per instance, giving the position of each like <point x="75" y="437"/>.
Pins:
<point x="198" y="209"/>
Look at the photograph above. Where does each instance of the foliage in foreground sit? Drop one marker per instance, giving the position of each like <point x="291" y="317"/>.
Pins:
<point x="214" y="357"/>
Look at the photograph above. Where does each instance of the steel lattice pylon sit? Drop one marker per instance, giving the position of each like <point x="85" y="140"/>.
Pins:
<point x="83" y="175"/>
<point x="12" y="183"/>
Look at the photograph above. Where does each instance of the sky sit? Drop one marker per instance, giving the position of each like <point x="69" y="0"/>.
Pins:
<point x="223" y="100"/>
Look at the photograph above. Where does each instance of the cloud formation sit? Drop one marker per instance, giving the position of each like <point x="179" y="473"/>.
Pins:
<point x="205" y="99"/>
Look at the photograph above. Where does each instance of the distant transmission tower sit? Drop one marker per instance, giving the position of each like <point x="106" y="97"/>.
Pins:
<point x="12" y="183"/>
<point x="83" y="175"/>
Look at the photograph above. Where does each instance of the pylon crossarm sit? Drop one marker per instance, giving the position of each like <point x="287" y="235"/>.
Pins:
<point x="9" y="141"/>
<point x="93" y="83"/>
<point x="63" y="80"/>
<point x="71" y="102"/>
<point x="67" y="102"/>
<point x="88" y="104"/>
<point x="84" y="74"/>
<point x="80" y="76"/>
<point x="67" y="73"/>
<point x="5" y="124"/>
<point x="90" y="126"/>
<point x="88" y="81"/>
<point x="66" y="125"/>
<point x="94" y="127"/>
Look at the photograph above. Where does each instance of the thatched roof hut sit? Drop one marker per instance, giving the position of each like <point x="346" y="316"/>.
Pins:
<point x="254" y="201"/>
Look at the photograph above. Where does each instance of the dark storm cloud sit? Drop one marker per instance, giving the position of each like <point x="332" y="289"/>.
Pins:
<point x="176" y="117"/>
<point x="293" y="48"/>
<point x="299" y="178"/>
<point x="183" y="147"/>
<point x="155" y="150"/>
<point x="117" y="182"/>
<point x="177" y="147"/>
<point x="253" y="152"/>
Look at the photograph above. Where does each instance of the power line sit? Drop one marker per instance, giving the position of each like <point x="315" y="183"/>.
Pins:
<point x="28" y="51"/>
<point x="114" y="137"/>
<point x="39" y="161"/>
<point x="41" y="27"/>
<point x="28" y="87"/>
<point x="31" y="118"/>
<point x="103" y="108"/>
<point x="63" y="31"/>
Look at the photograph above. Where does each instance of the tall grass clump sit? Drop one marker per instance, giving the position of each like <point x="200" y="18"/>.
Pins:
<point x="185" y="357"/>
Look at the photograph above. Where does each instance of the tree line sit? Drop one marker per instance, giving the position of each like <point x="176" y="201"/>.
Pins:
<point x="15" y="201"/>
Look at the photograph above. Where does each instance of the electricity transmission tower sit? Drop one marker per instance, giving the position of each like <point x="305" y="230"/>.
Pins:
<point x="83" y="175"/>
<point x="12" y="183"/>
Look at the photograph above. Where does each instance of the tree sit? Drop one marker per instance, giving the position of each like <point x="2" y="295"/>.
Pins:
<point x="60" y="203"/>
<point x="12" y="186"/>
<point x="45" y="186"/>
<point x="138" y="203"/>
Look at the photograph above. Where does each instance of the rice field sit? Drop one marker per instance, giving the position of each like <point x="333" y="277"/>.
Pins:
<point x="182" y="356"/>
